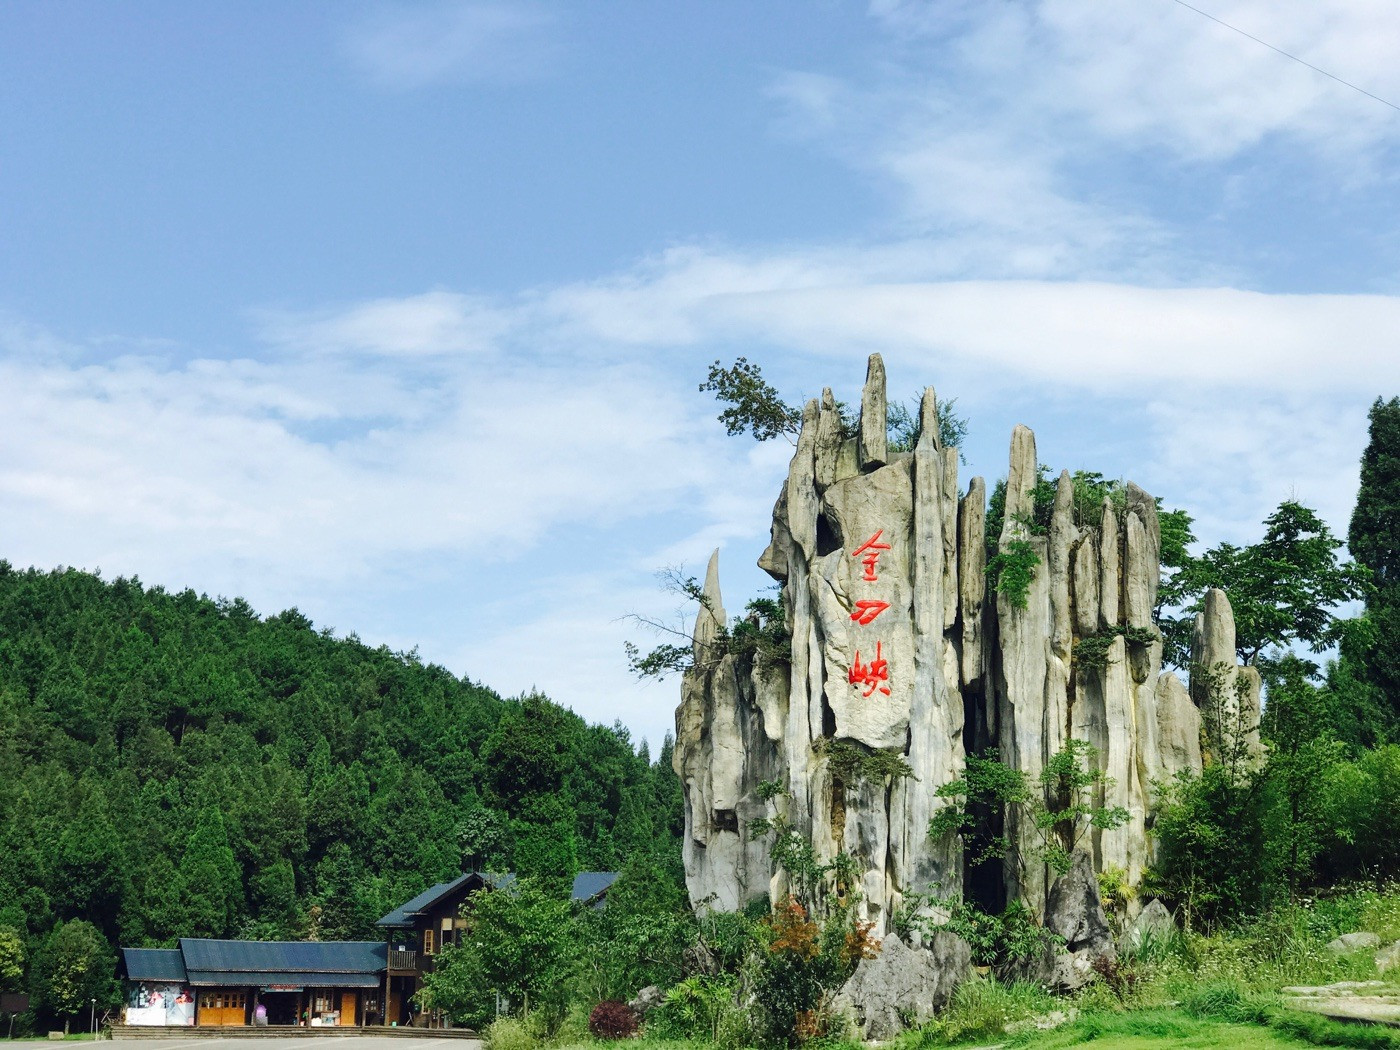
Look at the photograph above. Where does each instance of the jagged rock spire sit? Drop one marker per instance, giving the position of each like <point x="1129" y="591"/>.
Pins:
<point x="710" y="620"/>
<point x="874" y="417"/>
<point x="896" y="641"/>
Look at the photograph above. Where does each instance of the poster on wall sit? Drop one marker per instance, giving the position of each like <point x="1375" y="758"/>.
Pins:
<point x="160" y="1005"/>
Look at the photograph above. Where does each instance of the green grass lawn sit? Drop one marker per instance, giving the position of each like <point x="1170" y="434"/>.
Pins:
<point x="1158" y="1028"/>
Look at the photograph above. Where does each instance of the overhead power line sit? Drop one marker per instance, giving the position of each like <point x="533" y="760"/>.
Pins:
<point x="1286" y="54"/>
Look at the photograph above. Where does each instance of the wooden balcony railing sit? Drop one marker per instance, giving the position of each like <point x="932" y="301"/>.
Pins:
<point x="399" y="959"/>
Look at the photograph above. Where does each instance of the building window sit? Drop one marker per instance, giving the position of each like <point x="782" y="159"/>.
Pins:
<point x="223" y="1000"/>
<point x="429" y="941"/>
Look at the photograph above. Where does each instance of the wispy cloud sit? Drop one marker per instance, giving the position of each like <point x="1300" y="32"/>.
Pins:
<point x="430" y="324"/>
<point x="455" y="41"/>
<point x="1162" y="75"/>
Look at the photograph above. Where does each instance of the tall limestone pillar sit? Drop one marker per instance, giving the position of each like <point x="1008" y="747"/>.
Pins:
<point x="901" y="653"/>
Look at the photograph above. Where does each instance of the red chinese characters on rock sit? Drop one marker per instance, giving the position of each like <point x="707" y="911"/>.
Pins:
<point x="871" y="676"/>
<point x="867" y="609"/>
<point x="874" y="674"/>
<point x="869" y="553"/>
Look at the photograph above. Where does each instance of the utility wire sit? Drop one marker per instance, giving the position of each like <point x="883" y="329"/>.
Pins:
<point x="1285" y="54"/>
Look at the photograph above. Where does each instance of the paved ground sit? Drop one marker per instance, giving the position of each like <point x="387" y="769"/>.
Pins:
<point x="328" y="1042"/>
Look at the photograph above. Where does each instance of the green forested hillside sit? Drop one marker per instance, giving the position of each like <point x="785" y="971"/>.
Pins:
<point x="174" y="765"/>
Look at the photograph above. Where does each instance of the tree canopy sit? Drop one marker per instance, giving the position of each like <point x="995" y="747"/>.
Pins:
<point x="174" y="765"/>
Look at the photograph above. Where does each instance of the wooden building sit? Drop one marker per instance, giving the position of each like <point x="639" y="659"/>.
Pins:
<point x="212" y="983"/>
<point x="417" y="930"/>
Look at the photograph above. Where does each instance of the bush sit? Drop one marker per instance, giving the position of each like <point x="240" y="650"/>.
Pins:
<point x="980" y="1009"/>
<point x="1322" y="1031"/>
<point x="508" y="1033"/>
<point x="1225" y="1001"/>
<point x="612" y="1020"/>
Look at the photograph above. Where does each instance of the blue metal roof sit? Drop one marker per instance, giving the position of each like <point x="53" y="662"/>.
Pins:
<point x="154" y="964"/>
<point x="284" y="978"/>
<point x="403" y="915"/>
<point x="588" y="884"/>
<point x="206" y="960"/>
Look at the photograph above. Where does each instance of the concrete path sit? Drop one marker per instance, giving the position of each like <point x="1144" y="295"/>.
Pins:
<point x="425" y="1041"/>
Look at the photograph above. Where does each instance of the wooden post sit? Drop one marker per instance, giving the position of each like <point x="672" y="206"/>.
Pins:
<point x="388" y="954"/>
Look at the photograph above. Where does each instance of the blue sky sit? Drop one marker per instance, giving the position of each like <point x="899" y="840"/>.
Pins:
<point x="396" y="312"/>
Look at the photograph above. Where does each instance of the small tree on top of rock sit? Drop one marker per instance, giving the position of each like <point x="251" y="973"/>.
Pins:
<point x="754" y="405"/>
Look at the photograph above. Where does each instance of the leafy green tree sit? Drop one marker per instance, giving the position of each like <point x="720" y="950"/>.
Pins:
<point x="1297" y="726"/>
<point x="1362" y="801"/>
<point x="92" y="869"/>
<point x="483" y="835"/>
<point x="754" y="405"/>
<point x="528" y="753"/>
<point x="546" y="847"/>
<point x="637" y="938"/>
<point x="11" y="959"/>
<point x="274" y="895"/>
<point x="75" y="967"/>
<point x="1059" y="807"/>
<point x="1371" y="660"/>
<point x="1213" y="859"/>
<point x="1282" y="589"/>
<point x="516" y="944"/>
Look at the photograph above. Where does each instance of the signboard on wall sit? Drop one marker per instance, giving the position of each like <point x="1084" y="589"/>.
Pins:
<point x="168" y="1005"/>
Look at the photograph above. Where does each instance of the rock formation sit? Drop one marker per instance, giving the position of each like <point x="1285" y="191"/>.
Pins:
<point x="902" y="653"/>
<point x="1074" y="914"/>
<point x="903" y="986"/>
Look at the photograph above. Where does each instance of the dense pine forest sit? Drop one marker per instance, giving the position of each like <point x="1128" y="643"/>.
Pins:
<point x="174" y="765"/>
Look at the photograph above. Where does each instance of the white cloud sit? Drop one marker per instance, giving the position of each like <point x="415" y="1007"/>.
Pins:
<point x="433" y="323"/>
<point x="991" y="127"/>
<point x="1162" y="75"/>
<point x="414" y="45"/>
<point x="1232" y="459"/>
<point x="489" y="475"/>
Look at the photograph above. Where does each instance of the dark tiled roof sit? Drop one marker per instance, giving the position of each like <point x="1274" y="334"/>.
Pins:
<point x="404" y="913"/>
<point x="588" y="884"/>
<point x="154" y="964"/>
<point x="293" y="979"/>
<point x="281" y="962"/>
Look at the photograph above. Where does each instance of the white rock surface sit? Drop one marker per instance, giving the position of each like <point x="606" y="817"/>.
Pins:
<point x="1226" y="693"/>
<point x="896" y="644"/>
<point x="1354" y="942"/>
<point x="903" y="984"/>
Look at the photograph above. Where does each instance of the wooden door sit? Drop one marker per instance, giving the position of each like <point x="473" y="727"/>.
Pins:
<point x="348" y="1002"/>
<point x="223" y="1009"/>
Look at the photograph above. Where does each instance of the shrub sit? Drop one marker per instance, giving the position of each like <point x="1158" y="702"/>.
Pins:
<point x="980" y="1009"/>
<point x="1322" y="1031"/>
<point x="694" y="1008"/>
<point x="1012" y="570"/>
<point x="612" y="1020"/>
<point x="508" y="1033"/>
<point x="1225" y="1001"/>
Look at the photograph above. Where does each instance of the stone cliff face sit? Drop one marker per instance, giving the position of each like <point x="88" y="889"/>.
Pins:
<point x="900" y="646"/>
